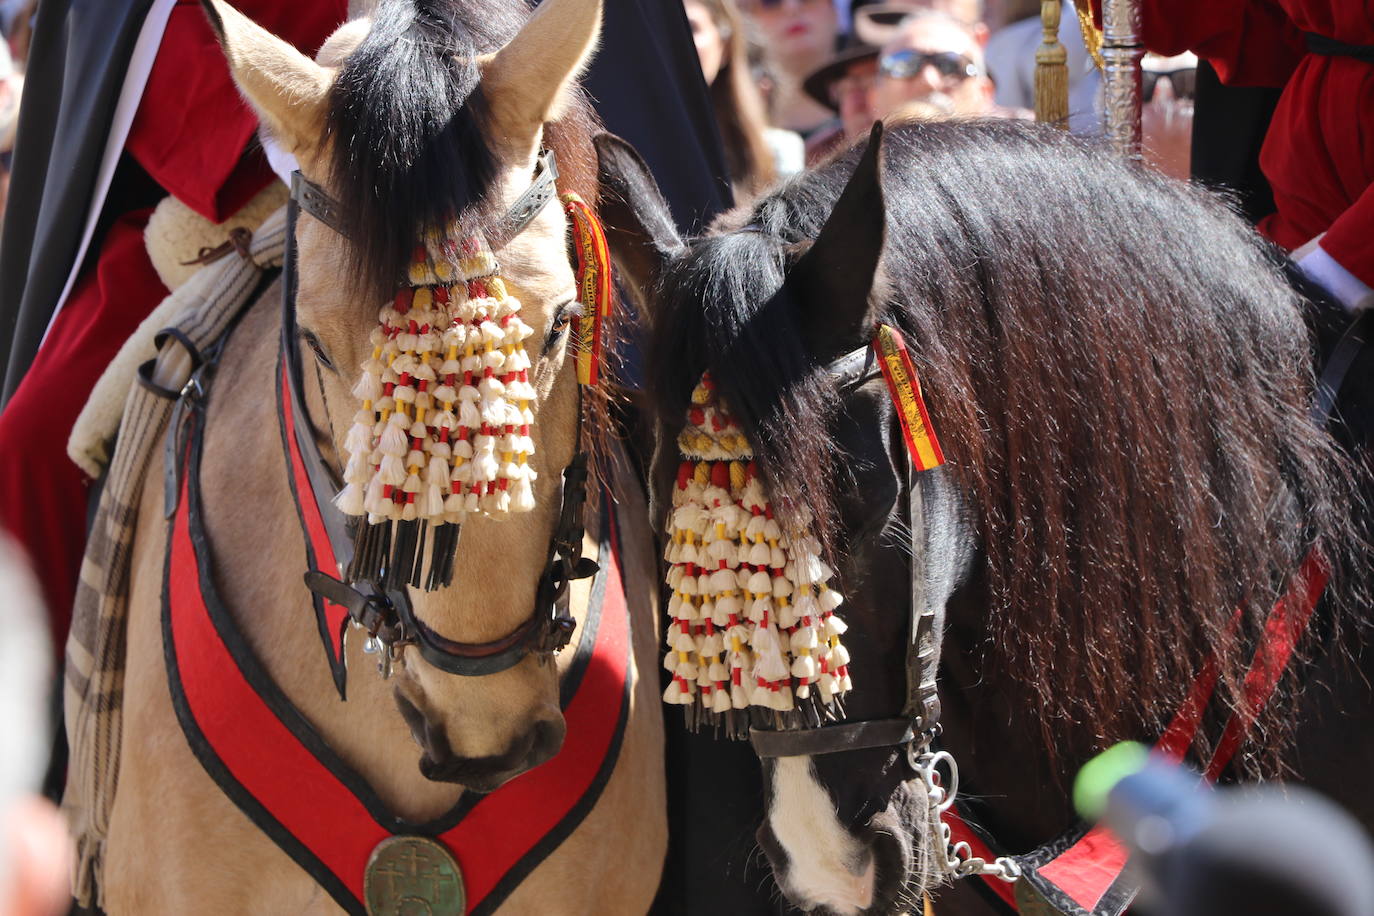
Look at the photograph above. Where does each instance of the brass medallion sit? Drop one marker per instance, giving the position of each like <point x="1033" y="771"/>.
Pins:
<point x="413" y="876"/>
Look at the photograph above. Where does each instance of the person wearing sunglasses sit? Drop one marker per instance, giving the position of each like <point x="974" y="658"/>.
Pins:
<point x="935" y="59"/>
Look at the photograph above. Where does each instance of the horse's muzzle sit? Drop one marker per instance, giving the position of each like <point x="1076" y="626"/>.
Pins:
<point x="439" y="763"/>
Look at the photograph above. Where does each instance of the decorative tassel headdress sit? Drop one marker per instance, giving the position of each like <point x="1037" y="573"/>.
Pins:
<point x="443" y="432"/>
<point x="753" y="615"/>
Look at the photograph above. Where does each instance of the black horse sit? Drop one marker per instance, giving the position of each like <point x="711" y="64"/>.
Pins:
<point x="1120" y="374"/>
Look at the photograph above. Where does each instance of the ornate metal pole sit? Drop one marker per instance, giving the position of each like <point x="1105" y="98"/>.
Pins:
<point x="1121" y="54"/>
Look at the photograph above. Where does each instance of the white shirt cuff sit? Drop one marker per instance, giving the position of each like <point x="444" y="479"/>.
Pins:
<point x="1324" y="270"/>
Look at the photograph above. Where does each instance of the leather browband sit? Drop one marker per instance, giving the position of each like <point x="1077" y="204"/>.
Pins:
<point x="543" y="188"/>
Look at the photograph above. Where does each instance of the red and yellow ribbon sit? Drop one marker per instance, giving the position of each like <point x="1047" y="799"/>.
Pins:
<point x="593" y="286"/>
<point x="905" y="388"/>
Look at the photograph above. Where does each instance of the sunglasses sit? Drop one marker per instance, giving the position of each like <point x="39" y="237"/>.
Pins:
<point x="908" y="63"/>
<point x="1183" y="82"/>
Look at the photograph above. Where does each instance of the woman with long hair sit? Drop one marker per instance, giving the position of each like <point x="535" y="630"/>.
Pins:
<point x="752" y="149"/>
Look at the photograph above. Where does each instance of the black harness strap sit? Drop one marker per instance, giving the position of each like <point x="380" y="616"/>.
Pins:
<point x="1338" y="365"/>
<point x="831" y="739"/>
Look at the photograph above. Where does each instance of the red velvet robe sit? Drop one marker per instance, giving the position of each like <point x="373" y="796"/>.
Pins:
<point x="194" y="135"/>
<point x="1319" y="152"/>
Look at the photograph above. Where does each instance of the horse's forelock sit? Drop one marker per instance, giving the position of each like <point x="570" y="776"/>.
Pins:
<point x="724" y="308"/>
<point x="405" y="128"/>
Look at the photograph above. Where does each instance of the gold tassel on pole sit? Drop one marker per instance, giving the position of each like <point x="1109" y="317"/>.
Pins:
<point x="1051" y="70"/>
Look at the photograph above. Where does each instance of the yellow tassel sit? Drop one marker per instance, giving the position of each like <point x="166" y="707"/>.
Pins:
<point x="1051" y="70"/>
<point x="1092" y="35"/>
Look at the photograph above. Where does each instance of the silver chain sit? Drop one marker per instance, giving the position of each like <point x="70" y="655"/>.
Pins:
<point x="958" y="858"/>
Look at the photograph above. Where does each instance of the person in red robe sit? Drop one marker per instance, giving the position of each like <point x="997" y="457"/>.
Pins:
<point x="1317" y="155"/>
<point x="195" y="137"/>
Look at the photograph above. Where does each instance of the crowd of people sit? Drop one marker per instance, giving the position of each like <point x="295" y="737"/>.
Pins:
<point x="793" y="80"/>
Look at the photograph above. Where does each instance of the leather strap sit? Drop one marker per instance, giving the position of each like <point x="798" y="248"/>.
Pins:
<point x="831" y="739"/>
<point x="1338" y="365"/>
<point x="542" y="189"/>
<point x="315" y="200"/>
<point x="927" y="623"/>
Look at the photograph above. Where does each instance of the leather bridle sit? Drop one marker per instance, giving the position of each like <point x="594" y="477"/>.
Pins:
<point x="919" y="722"/>
<point x="382" y="606"/>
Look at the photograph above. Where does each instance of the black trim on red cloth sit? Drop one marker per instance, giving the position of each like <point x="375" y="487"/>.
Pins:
<point x="187" y="594"/>
<point x="201" y="746"/>
<point x="331" y="634"/>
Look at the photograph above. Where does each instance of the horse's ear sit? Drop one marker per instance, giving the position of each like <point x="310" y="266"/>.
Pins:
<point x="639" y="225"/>
<point x="526" y="82"/>
<point x="289" y="91"/>
<point x="834" y="279"/>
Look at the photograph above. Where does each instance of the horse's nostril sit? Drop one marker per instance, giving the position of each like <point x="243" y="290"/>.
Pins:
<point x="486" y="774"/>
<point x="547" y="741"/>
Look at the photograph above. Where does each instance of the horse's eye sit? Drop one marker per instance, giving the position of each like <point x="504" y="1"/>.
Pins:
<point x="317" y="348"/>
<point x="562" y="319"/>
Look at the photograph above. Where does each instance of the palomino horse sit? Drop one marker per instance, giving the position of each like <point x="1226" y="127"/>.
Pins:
<point x="430" y="110"/>
<point x="1119" y="376"/>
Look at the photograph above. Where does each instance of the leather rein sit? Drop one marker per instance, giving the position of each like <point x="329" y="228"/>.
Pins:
<point x="383" y="608"/>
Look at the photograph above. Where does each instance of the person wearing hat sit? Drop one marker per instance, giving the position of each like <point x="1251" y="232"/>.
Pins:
<point x="844" y="84"/>
<point x="878" y="23"/>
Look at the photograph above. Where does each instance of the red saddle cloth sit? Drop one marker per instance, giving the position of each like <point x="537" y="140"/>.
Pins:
<point x="277" y="769"/>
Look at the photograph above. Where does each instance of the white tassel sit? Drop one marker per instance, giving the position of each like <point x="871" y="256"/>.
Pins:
<point x="675" y="695"/>
<point x="522" y="496"/>
<point x="350" y="500"/>
<point x="393" y="441"/>
<point x="391" y="471"/>
<point x="434" y="503"/>
<point x="771" y="665"/>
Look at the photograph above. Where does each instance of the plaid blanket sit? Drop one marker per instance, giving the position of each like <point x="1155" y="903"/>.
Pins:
<point x="94" y="686"/>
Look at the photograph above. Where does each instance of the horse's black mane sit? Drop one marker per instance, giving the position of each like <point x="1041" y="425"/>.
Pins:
<point x="1062" y="308"/>
<point x="406" y="123"/>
